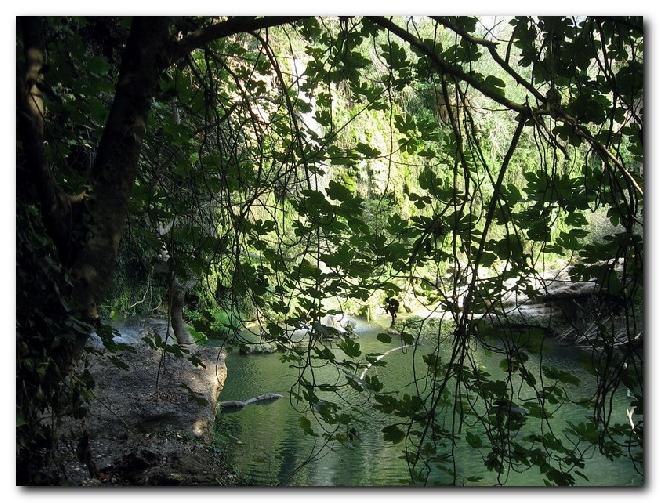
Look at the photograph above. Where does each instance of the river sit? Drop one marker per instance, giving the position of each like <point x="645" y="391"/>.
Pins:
<point x="268" y="447"/>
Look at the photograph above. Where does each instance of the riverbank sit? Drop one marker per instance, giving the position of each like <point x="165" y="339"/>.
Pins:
<point x="151" y="416"/>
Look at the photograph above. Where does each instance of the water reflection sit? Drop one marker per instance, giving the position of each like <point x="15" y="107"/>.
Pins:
<point x="267" y="445"/>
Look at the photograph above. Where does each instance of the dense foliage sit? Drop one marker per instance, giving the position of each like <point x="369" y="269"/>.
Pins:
<point x="278" y="170"/>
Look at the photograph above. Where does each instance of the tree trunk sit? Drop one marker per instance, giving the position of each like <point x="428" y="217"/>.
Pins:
<point x="35" y="182"/>
<point x="149" y="51"/>
<point x="49" y="305"/>
<point x="116" y="162"/>
<point x="178" y="294"/>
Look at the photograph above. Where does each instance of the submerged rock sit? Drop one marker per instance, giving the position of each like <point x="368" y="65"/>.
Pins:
<point x="257" y="348"/>
<point x="234" y="405"/>
<point x="513" y="411"/>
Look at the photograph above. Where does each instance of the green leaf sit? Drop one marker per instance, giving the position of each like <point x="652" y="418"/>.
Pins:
<point x="384" y="337"/>
<point x="367" y="151"/>
<point x="338" y="191"/>
<point x="117" y="362"/>
<point x="393" y="434"/>
<point x="306" y="426"/>
<point x="473" y="440"/>
<point x="98" y="65"/>
<point x="560" y="375"/>
<point x="194" y="396"/>
<point x="350" y="347"/>
<point x="495" y="84"/>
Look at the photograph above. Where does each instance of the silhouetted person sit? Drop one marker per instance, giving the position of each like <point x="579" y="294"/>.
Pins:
<point x="392" y="307"/>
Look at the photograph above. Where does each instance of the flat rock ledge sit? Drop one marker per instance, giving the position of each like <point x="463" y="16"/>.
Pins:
<point x="140" y="433"/>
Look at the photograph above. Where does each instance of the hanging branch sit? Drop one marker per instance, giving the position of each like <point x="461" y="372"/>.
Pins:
<point x="232" y="26"/>
<point x="446" y="67"/>
<point x="489" y="216"/>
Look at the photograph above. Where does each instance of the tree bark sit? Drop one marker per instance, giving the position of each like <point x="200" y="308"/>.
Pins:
<point x="178" y="294"/>
<point x="35" y="181"/>
<point x="233" y="25"/>
<point x="116" y="162"/>
<point x="149" y="51"/>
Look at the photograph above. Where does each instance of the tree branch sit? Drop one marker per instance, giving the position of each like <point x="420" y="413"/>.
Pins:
<point x="492" y="49"/>
<point x="444" y="66"/>
<point x="490" y="214"/>
<point x="559" y="114"/>
<point x="236" y="24"/>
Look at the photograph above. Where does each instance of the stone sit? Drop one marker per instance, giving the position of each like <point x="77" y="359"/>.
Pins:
<point x="233" y="405"/>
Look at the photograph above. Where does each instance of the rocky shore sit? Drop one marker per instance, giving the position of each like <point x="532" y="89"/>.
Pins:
<point x="151" y="417"/>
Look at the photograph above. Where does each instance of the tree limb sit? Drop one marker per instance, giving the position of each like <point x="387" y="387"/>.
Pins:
<point x="492" y="49"/>
<point x="489" y="216"/>
<point x="580" y="130"/>
<point x="235" y="24"/>
<point x="444" y="66"/>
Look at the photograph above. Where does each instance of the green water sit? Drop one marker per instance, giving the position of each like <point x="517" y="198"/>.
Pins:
<point x="267" y="446"/>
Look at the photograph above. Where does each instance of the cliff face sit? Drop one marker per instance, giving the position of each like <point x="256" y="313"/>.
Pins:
<point x="140" y="433"/>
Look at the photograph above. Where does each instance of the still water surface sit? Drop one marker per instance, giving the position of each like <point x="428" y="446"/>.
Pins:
<point x="267" y="446"/>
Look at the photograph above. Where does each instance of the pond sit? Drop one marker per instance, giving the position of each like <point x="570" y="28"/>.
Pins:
<point x="267" y="446"/>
